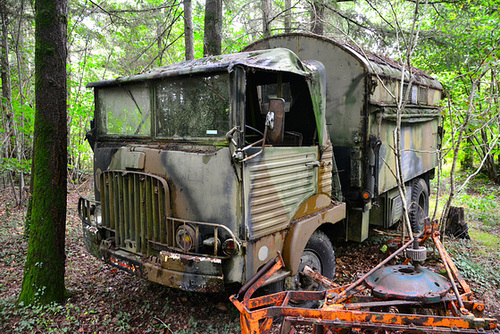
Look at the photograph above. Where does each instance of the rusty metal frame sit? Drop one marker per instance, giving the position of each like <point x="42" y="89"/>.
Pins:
<point x="348" y="308"/>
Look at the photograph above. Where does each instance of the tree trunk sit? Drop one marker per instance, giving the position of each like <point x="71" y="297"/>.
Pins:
<point x="43" y="280"/>
<point x="213" y="28"/>
<point x="20" y="138"/>
<point x="455" y="223"/>
<point x="188" y="30"/>
<point x="12" y="141"/>
<point x="317" y="16"/>
<point x="266" y="13"/>
<point x="6" y="83"/>
<point x="288" y="16"/>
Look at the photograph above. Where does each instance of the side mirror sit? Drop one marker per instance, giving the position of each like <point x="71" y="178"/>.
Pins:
<point x="91" y="134"/>
<point x="275" y="120"/>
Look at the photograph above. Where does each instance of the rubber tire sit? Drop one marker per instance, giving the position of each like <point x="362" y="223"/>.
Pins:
<point x="419" y="205"/>
<point x="319" y="246"/>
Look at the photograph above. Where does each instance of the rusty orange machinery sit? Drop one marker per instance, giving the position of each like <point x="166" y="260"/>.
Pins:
<point x="389" y="298"/>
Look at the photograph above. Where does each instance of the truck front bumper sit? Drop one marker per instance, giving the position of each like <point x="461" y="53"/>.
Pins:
<point x="186" y="272"/>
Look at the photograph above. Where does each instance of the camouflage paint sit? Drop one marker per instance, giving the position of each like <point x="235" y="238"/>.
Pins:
<point x="151" y="188"/>
<point x="360" y="109"/>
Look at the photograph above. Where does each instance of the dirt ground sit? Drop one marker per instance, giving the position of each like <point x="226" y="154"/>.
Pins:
<point x="102" y="299"/>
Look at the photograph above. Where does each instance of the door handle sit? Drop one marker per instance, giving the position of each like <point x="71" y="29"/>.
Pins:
<point x="313" y="164"/>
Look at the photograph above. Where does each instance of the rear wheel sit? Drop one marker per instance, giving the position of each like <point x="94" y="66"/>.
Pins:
<point x="419" y="206"/>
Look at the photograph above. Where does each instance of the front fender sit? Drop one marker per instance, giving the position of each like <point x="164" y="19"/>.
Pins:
<point x="314" y="212"/>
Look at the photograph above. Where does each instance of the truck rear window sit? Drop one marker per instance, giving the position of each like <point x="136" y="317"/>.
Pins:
<point x="193" y="107"/>
<point x="124" y="110"/>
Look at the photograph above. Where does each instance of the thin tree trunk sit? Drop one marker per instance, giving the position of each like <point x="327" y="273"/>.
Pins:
<point x="288" y="16"/>
<point x="20" y="145"/>
<point x="213" y="28"/>
<point x="317" y="17"/>
<point x="5" y="69"/>
<point x="188" y="30"/>
<point x="266" y="13"/>
<point x="12" y="149"/>
<point x="43" y="280"/>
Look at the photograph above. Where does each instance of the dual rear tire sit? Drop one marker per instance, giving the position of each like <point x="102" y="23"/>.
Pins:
<point x="418" y="209"/>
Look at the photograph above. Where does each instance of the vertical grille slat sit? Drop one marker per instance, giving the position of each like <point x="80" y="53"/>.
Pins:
<point x="154" y="198"/>
<point x="143" y="217"/>
<point x="162" y="217"/>
<point x="105" y="205"/>
<point x="149" y="215"/>
<point x="135" y="205"/>
<point x="130" y="208"/>
<point x="115" y="202"/>
<point x="121" y="211"/>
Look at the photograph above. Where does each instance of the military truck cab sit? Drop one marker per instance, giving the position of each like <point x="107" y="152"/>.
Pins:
<point x="204" y="170"/>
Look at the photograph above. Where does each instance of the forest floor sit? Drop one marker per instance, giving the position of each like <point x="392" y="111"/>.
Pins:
<point x="102" y="299"/>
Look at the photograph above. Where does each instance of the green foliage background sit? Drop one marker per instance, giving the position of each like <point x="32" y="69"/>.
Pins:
<point x="458" y="43"/>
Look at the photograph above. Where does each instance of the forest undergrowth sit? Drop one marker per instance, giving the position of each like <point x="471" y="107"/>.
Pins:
<point x="102" y="299"/>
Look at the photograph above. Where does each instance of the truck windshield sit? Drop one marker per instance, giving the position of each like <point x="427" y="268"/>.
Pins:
<point x="193" y="107"/>
<point x="124" y="110"/>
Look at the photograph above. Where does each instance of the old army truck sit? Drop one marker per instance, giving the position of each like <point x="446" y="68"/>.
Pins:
<point x="205" y="170"/>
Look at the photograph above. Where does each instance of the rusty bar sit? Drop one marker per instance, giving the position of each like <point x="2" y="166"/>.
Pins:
<point x="326" y="282"/>
<point x="334" y="317"/>
<point x="360" y="321"/>
<point x="442" y="253"/>
<point x="362" y="278"/>
<point x="454" y="269"/>
<point x="197" y="238"/>
<point x="216" y="237"/>
<point x="258" y="279"/>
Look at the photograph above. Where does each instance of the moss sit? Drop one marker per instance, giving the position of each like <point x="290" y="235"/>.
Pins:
<point x="43" y="280"/>
<point x="27" y="222"/>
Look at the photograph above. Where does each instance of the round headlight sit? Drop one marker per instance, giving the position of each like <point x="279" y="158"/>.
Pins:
<point x="96" y="215"/>
<point x="185" y="237"/>
<point x="230" y="247"/>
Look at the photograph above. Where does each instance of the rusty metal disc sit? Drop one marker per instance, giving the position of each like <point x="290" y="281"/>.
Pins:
<point x="408" y="283"/>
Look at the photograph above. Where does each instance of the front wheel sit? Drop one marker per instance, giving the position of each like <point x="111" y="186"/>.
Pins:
<point x="320" y="256"/>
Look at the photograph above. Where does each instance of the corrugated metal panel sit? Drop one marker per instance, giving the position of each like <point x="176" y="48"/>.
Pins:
<point x="279" y="184"/>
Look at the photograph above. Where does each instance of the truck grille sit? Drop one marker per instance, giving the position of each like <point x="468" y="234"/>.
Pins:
<point x="135" y="207"/>
<point x="136" y="211"/>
